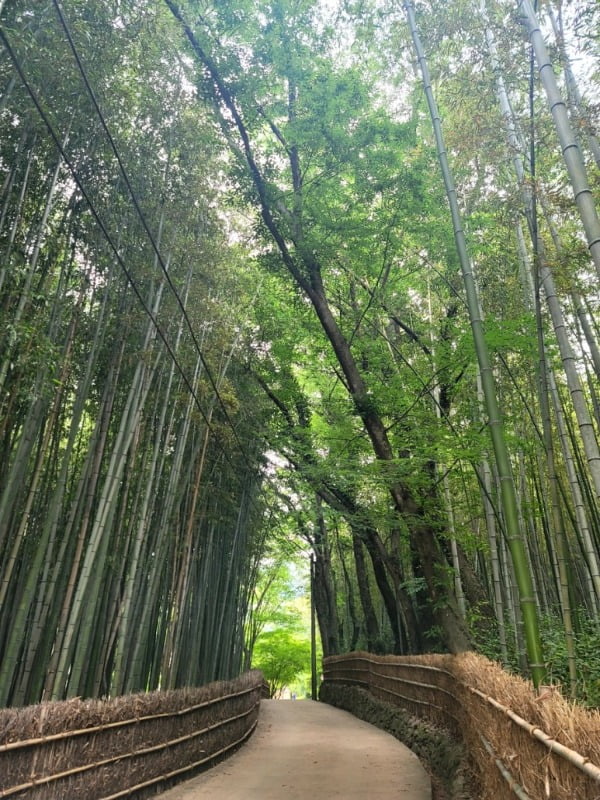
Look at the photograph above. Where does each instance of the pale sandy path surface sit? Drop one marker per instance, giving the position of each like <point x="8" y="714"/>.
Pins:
<point x="302" y="750"/>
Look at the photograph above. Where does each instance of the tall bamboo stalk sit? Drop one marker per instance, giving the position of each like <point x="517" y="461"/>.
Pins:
<point x="507" y="487"/>
<point x="568" y="141"/>
<point x="573" y="93"/>
<point x="573" y="379"/>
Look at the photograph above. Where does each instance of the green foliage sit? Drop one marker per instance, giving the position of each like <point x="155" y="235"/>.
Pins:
<point x="587" y="647"/>
<point x="89" y="395"/>
<point x="203" y="515"/>
<point x="278" y="625"/>
<point x="587" y="644"/>
<point x="282" y="655"/>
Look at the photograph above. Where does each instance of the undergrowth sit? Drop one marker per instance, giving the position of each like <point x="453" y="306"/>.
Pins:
<point x="587" y="644"/>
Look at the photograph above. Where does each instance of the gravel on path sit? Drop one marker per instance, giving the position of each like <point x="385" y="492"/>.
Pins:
<point x="303" y="750"/>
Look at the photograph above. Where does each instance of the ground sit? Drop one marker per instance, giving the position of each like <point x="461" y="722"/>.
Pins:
<point x="302" y="750"/>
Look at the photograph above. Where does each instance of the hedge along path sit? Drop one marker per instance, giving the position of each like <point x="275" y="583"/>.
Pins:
<point x="140" y="752"/>
<point x="120" y="756"/>
<point x="575" y="758"/>
<point x="475" y="699"/>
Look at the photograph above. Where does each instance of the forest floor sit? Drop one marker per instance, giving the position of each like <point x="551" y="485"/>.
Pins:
<point x="302" y="750"/>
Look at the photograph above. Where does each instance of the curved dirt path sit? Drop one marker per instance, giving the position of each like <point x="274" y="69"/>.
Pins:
<point x="302" y="750"/>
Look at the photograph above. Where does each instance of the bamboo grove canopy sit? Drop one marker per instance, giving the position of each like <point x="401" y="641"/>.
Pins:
<point x="292" y="277"/>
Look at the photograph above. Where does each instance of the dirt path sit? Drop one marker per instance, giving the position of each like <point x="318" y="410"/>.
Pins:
<point x="311" y="751"/>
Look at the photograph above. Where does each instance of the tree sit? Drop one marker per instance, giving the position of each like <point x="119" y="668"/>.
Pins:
<point x="234" y="328"/>
<point x="292" y="121"/>
<point x="282" y="657"/>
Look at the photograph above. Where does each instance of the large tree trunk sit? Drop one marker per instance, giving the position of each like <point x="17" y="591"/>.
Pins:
<point x="323" y="587"/>
<point x="364" y="590"/>
<point x="422" y="535"/>
<point x="303" y="267"/>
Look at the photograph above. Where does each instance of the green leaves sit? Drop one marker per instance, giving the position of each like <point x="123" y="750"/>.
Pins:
<point x="282" y="657"/>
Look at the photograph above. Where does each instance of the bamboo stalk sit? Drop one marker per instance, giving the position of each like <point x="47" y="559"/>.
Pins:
<point x="417" y="683"/>
<point x="514" y="537"/>
<point x="569" y="755"/>
<point x="515" y="787"/>
<point x="349" y="680"/>
<point x="412" y="699"/>
<point x="169" y="775"/>
<point x="341" y="658"/>
<point x="571" y="151"/>
<point x="429" y="686"/>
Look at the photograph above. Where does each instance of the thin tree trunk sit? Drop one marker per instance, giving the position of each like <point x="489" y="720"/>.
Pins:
<point x="45" y="620"/>
<point x="79" y="517"/>
<point x="25" y="291"/>
<point x="490" y="519"/>
<point x="583" y="525"/>
<point x="547" y="281"/>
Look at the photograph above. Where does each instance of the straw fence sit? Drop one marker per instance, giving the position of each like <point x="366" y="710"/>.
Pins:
<point x="533" y="747"/>
<point x="124" y="747"/>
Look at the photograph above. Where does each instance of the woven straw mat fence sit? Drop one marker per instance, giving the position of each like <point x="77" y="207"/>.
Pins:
<point x="533" y="747"/>
<point x="125" y="746"/>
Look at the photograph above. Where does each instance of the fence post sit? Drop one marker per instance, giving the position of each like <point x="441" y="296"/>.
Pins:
<point x="313" y="631"/>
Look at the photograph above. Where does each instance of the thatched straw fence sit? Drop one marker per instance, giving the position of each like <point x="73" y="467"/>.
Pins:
<point x="533" y="747"/>
<point x="124" y="747"/>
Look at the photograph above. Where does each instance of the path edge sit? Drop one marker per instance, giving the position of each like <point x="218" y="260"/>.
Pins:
<point x="444" y="758"/>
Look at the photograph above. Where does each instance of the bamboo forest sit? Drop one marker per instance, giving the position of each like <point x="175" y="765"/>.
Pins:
<point x="298" y="299"/>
